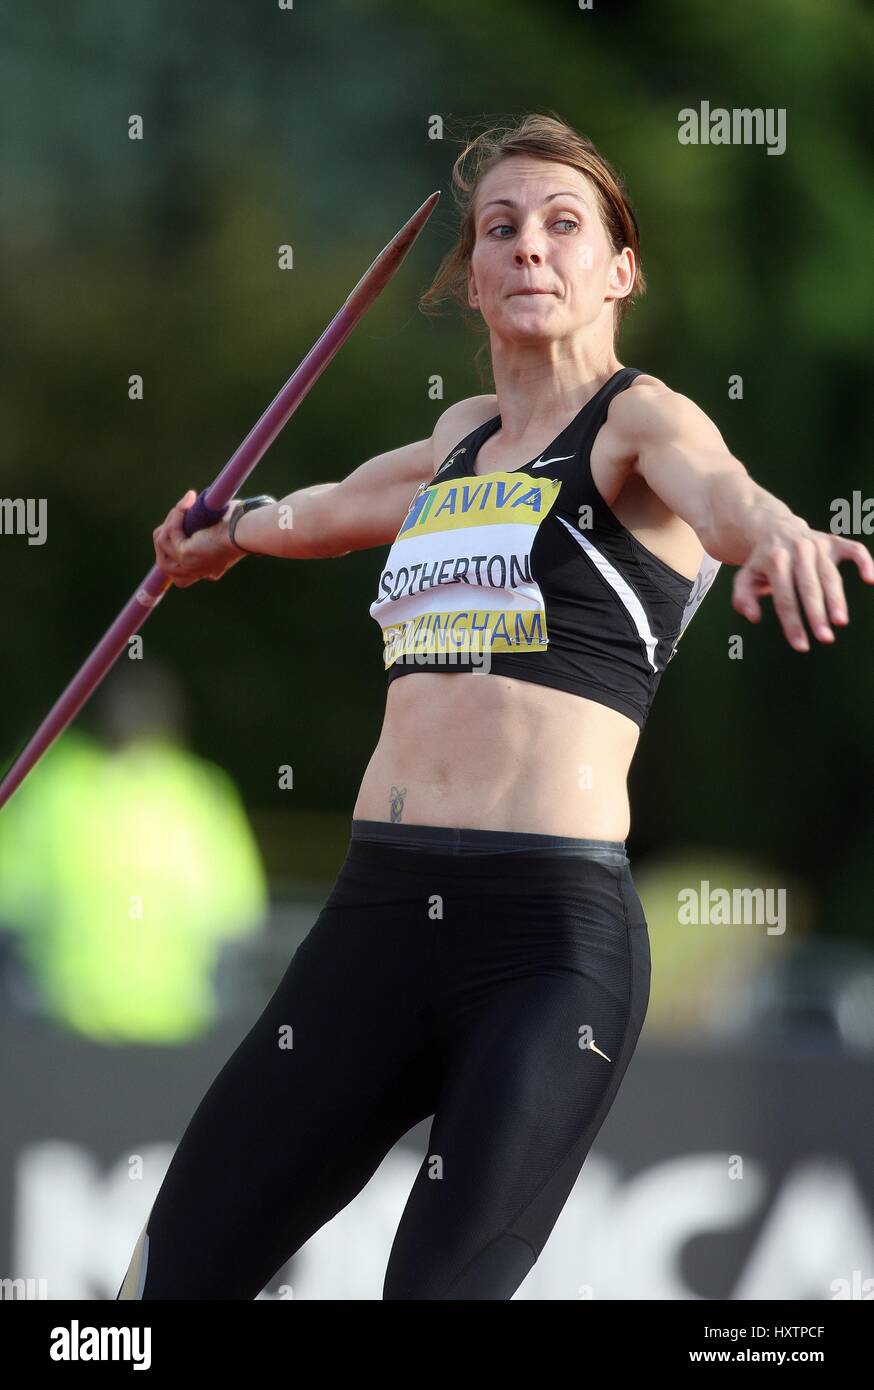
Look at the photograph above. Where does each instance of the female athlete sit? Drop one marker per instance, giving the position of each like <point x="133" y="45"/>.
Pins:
<point x="483" y="956"/>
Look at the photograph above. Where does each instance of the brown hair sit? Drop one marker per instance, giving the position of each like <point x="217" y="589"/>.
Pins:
<point x="545" y="136"/>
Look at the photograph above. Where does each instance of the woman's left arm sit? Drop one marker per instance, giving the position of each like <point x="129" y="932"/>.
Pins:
<point x="682" y="456"/>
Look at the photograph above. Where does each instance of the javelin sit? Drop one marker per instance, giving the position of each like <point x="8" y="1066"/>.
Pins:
<point x="210" y="505"/>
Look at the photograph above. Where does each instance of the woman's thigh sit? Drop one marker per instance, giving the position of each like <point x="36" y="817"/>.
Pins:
<point x="544" y="997"/>
<point x="326" y="1081"/>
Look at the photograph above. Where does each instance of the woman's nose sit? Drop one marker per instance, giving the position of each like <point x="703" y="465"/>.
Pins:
<point x="529" y="245"/>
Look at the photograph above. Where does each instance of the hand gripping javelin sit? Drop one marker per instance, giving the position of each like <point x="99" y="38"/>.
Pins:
<point x="209" y="508"/>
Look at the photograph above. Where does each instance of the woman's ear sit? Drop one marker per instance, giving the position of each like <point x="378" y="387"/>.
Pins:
<point x="472" y="296"/>
<point x="622" y="274"/>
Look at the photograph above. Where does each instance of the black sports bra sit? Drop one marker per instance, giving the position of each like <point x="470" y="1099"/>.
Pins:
<point x="528" y="573"/>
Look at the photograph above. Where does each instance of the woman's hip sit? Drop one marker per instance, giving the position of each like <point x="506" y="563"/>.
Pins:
<point x="471" y="899"/>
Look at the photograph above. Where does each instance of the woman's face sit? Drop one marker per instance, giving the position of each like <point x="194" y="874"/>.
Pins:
<point x="538" y="227"/>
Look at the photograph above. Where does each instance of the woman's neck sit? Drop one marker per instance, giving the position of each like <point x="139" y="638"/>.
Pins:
<point x="536" y="389"/>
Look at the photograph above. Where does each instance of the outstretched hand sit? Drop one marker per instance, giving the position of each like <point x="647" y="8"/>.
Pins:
<point x="796" y="561"/>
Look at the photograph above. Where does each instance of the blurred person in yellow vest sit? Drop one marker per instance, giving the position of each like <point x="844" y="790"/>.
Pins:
<point x="127" y="866"/>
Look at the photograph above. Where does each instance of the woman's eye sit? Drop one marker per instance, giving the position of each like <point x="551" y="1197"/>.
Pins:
<point x="508" y="227"/>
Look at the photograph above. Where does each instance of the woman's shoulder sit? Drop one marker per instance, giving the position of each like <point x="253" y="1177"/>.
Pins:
<point x="646" y="394"/>
<point x="649" y="407"/>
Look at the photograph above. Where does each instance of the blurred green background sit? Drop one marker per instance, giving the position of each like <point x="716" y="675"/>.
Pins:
<point x="309" y="127"/>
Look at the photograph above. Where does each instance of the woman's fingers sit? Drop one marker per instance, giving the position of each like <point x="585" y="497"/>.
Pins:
<point x="833" y="588"/>
<point x="801" y="567"/>
<point x="785" y="601"/>
<point x="162" y="553"/>
<point x="806" y="577"/>
<point x="167" y="550"/>
<point x="174" y="523"/>
<point x="750" y="584"/>
<point x="169" y="538"/>
<point x="186" y="559"/>
<point x="744" y="598"/>
<point x="842" y="548"/>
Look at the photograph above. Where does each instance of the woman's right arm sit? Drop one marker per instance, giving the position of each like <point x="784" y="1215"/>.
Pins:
<point x="323" y="520"/>
<point x="330" y="519"/>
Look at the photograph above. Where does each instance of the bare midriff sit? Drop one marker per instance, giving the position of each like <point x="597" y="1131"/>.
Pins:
<point x="490" y="752"/>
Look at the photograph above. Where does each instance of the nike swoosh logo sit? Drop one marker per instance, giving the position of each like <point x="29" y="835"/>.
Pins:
<point x="541" y="463"/>
<point x="598" y="1050"/>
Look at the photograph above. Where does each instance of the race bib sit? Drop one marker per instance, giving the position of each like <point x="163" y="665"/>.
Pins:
<point x="458" y="576"/>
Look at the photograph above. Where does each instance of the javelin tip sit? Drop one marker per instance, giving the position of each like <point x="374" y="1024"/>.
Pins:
<point x="403" y="240"/>
<point x="377" y="276"/>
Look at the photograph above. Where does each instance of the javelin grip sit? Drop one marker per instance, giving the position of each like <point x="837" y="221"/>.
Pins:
<point x="199" y="515"/>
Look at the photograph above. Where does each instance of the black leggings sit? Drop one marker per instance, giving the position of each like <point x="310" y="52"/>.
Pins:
<point x="497" y="981"/>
